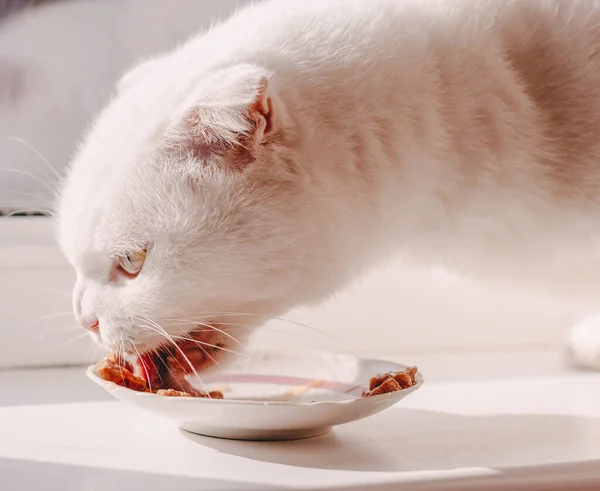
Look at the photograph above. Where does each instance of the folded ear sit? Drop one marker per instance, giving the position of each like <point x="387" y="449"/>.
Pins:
<point x="260" y="112"/>
<point x="232" y="115"/>
<point x="136" y="73"/>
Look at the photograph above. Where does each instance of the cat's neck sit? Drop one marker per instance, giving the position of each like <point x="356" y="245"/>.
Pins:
<point x="365" y="163"/>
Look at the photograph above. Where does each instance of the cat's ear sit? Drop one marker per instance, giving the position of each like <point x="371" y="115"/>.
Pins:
<point x="233" y="117"/>
<point x="260" y="112"/>
<point x="136" y="73"/>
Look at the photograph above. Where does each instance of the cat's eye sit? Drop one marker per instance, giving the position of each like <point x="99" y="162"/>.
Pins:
<point x="132" y="262"/>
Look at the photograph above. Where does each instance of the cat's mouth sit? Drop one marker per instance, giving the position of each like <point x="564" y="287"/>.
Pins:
<point x="168" y="365"/>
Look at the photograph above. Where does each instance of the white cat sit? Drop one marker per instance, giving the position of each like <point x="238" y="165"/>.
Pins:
<point x="268" y="162"/>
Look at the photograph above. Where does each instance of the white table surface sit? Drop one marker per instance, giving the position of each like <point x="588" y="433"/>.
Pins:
<point x="530" y="432"/>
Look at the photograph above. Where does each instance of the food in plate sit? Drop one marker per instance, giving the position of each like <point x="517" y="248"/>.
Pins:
<point x="158" y="381"/>
<point x="121" y="372"/>
<point x="172" y="393"/>
<point x="391" y="382"/>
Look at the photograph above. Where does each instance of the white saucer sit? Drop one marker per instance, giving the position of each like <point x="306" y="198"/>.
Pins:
<point x="274" y="396"/>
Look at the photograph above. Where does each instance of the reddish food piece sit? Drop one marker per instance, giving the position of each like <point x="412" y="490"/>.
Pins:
<point x="391" y="382"/>
<point x="172" y="393"/>
<point x="377" y="381"/>
<point x="149" y="371"/>
<point x="173" y="375"/>
<point x="388" y="385"/>
<point x="404" y="380"/>
<point x="177" y="393"/>
<point x="121" y="374"/>
<point x="412" y="371"/>
<point x="115" y="369"/>
<point x="121" y="362"/>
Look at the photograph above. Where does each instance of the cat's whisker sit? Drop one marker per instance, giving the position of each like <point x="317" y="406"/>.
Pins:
<point x="210" y="326"/>
<point x="123" y="351"/>
<point x="120" y="356"/>
<point x="153" y="329"/>
<point x="209" y="315"/>
<point x="240" y="327"/>
<point x="243" y="328"/>
<point x="171" y="338"/>
<point x="201" y="345"/>
<point x="221" y="331"/>
<point x="35" y="152"/>
<point x="76" y="338"/>
<point x="211" y="357"/>
<point x="209" y="345"/>
<point x="166" y="334"/>
<point x="173" y="377"/>
<point x="206" y="353"/>
<point x="153" y="351"/>
<point x="231" y="326"/>
<point x="53" y="316"/>
<point x="32" y="176"/>
<point x="143" y="364"/>
<point x="163" y="362"/>
<point x="40" y="197"/>
<point x="60" y="329"/>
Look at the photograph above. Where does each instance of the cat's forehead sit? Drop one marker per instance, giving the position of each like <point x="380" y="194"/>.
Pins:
<point x="126" y="129"/>
<point x="128" y="183"/>
<point x="116" y="183"/>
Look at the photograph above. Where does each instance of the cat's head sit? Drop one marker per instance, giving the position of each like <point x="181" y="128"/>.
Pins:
<point x="185" y="212"/>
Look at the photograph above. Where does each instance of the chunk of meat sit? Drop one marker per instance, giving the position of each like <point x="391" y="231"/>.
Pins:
<point x="115" y="369"/>
<point x="391" y="382"/>
<point x="121" y="374"/>
<point x="388" y="385"/>
<point x="177" y="393"/>
<point x="172" y="393"/>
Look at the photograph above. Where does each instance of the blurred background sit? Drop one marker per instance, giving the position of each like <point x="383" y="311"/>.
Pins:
<point x="59" y="61"/>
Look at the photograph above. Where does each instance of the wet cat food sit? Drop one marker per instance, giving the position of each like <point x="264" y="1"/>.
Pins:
<point x="172" y="393"/>
<point x="115" y="369"/>
<point x="121" y="373"/>
<point x="391" y="382"/>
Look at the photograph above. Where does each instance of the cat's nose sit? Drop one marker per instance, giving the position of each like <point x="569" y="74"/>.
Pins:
<point x="92" y="324"/>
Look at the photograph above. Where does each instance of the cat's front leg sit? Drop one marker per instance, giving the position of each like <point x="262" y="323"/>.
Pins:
<point x="583" y="343"/>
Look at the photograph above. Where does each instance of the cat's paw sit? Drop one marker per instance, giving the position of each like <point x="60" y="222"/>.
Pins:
<point x="583" y="343"/>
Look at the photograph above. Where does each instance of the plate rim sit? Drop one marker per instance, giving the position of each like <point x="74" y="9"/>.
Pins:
<point x="112" y="387"/>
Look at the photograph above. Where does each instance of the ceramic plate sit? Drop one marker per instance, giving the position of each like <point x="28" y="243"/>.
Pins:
<point x="274" y="396"/>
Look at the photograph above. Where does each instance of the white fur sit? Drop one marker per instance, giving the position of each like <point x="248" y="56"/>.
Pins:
<point x="403" y="127"/>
